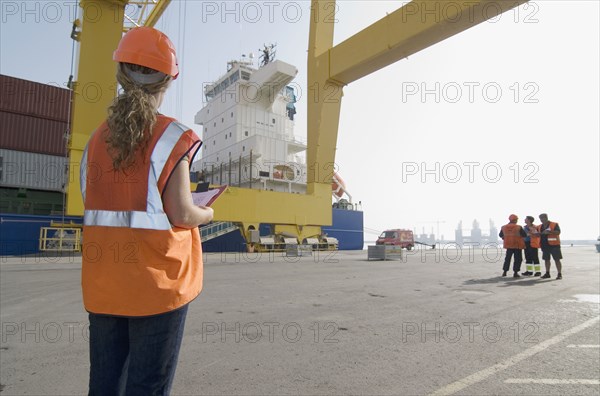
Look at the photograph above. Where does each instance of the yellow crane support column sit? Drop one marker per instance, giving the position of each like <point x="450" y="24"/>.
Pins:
<point x="324" y="98"/>
<point x="95" y="87"/>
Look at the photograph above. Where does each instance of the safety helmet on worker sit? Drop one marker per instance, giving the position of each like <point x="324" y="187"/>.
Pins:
<point x="513" y="217"/>
<point x="146" y="46"/>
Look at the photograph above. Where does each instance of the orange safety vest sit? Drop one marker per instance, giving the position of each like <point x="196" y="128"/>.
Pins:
<point x="512" y="236"/>
<point x="534" y="239"/>
<point x="553" y="239"/>
<point x="135" y="263"/>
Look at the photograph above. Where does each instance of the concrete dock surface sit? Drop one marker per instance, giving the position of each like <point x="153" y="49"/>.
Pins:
<point x="434" y="323"/>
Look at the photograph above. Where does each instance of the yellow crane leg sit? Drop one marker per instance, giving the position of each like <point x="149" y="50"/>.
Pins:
<point x="95" y="87"/>
<point x="324" y="99"/>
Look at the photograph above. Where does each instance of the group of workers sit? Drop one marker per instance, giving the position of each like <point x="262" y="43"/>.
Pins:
<point x="530" y="238"/>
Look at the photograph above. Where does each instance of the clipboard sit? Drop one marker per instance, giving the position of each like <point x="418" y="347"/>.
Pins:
<point x="207" y="198"/>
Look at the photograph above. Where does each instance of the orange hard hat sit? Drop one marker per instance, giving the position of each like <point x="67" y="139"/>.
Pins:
<point x="146" y="46"/>
<point x="513" y="217"/>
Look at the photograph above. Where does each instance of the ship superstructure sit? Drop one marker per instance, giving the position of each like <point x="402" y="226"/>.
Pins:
<point x="249" y="142"/>
<point x="248" y="129"/>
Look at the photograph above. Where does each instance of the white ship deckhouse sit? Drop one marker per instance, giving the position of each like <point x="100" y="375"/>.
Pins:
<point x="248" y="129"/>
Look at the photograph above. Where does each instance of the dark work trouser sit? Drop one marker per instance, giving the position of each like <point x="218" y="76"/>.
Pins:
<point x="518" y="259"/>
<point x="532" y="259"/>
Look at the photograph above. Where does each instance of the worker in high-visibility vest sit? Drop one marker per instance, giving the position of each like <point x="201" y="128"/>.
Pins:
<point x="550" y="243"/>
<point x="142" y="257"/>
<point x="532" y="243"/>
<point x="513" y="235"/>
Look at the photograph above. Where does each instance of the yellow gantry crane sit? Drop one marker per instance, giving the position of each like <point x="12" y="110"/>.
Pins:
<point x="404" y="32"/>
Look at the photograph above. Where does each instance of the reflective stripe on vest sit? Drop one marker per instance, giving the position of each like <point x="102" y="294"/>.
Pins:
<point x="553" y="239"/>
<point x="83" y="172"/>
<point x="130" y="219"/>
<point x="154" y="218"/>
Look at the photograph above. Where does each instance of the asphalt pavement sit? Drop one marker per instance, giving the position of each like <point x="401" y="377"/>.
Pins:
<point x="434" y="323"/>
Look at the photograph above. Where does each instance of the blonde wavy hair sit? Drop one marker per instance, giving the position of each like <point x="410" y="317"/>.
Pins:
<point x="132" y="115"/>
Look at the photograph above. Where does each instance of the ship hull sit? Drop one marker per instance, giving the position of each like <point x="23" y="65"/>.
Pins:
<point x="347" y="228"/>
<point x="21" y="233"/>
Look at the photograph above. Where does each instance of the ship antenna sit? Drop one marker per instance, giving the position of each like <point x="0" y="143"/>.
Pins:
<point x="268" y="54"/>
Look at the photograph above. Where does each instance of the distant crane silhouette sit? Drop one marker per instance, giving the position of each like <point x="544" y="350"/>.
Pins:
<point x="437" y="222"/>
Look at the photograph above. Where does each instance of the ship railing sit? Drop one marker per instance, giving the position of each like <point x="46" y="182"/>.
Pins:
<point x="60" y="239"/>
<point x="284" y="137"/>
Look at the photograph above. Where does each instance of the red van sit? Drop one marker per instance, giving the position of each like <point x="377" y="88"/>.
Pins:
<point x="397" y="237"/>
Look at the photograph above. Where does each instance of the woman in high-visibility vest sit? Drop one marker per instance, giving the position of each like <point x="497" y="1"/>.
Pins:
<point x="142" y="257"/>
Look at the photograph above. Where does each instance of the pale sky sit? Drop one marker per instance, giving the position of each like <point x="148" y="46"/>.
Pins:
<point x="504" y="115"/>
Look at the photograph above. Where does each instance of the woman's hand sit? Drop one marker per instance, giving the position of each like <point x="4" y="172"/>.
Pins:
<point x="178" y="203"/>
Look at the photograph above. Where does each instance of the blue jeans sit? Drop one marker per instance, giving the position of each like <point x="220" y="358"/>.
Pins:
<point x="134" y="356"/>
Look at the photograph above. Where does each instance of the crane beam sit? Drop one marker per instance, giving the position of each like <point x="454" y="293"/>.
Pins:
<point x="406" y="31"/>
<point x="159" y="8"/>
<point x="412" y="28"/>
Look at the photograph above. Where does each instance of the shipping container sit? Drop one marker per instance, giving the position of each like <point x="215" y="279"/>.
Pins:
<point x="20" y="132"/>
<point x="34" y="99"/>
<point x="20" y="169"/>
<point x="34" y="117"/>
<point x="31" y="202"/>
